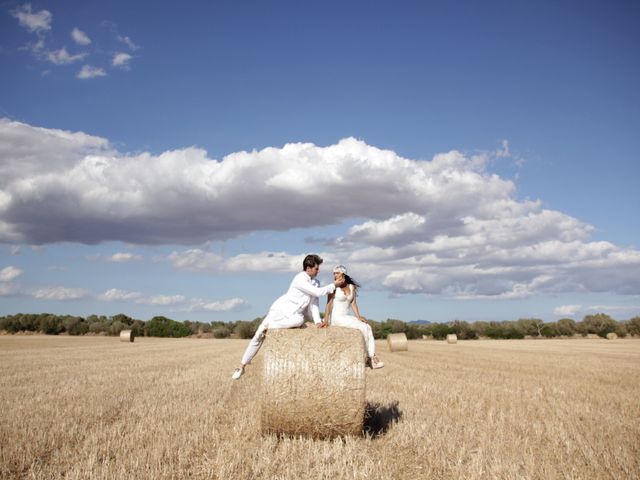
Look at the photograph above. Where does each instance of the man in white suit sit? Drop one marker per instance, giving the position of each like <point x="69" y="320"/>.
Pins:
<point x="289" y="310"/>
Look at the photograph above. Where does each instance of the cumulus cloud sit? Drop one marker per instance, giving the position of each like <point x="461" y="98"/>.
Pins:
<point x="121" y="60"/>
<point x="80" y="37"/>
<point x="62" y="57"/>
<point x="128" y="42"/>
<point x="447" y="226"/>
<point x="117" y="295"/>
<point x="120" y="257"/>
<point x="59" y="293"/>
<point x="9" y="273"/>
<point x="35" y="22"/>
<point x="189" y="304"/>
<point x="198" y="259"/>
<point x="567" y="310"/>
<point x="231" y="304"/>
<point x="89" y="71"/>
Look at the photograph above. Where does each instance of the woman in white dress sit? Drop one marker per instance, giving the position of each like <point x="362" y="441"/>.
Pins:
<point x="339" y="304"/>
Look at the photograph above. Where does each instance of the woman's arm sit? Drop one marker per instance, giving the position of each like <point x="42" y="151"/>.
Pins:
<point x="327" y="311"/>
<point x="354" y="307"/>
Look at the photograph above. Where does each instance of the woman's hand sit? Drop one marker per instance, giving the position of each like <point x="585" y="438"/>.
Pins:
<point x="362" y="319"/>
<point x="324" y="324"/>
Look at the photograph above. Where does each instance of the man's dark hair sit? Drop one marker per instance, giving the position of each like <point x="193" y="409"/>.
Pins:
<point x="311" y="261"/>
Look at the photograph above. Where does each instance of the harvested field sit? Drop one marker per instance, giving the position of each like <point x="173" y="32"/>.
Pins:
<point x="93" y="407"/>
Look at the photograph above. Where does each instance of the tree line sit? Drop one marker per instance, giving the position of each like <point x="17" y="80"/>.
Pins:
<point x="159" y="326"/>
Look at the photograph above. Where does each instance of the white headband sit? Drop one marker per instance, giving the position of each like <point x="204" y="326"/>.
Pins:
<point x="340" y="269"/>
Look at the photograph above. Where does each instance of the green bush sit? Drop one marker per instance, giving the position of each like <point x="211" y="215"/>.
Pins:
<point x="221" y="332"/>
<point x="165" y="327"/>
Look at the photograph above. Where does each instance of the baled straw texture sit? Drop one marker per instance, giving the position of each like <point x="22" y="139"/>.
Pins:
<point x="397" y="342"/>
<point x="313" y="382"/>
<point x="612" y="336"/>
<point x="126" y="336"/>
<point x="452" y="338"/>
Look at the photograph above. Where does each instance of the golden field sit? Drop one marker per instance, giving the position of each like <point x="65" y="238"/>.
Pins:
<point x="96" y="408"/>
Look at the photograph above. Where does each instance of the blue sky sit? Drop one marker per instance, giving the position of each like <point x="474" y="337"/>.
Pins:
<point x="465" y="160"/>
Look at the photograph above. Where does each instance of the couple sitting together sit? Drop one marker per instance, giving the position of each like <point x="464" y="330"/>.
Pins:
<point x="289" y="310"/>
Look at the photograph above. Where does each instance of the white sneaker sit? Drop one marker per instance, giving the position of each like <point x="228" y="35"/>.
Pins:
<point x="375" y="363"/>
<point x="238" y="373"/>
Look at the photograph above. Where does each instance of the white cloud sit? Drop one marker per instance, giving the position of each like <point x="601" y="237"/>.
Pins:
<point x="117" y="295"/>
<point x="120" y="257"/>
<point x="59" y="293"/>
<point x="231" y="304"/>
<point x="190" y="304"/>
<point x="567" y="310"/>
<point x="121" y="60"/>
<point x="8" y="289"/>
<point x="124" y="257"/>
<point x="88" y="71"/>
<point x="35" y="22"/>
<point x="445" y="226"/>
<point x="165" y="299"/>
<point x="128" y="42"/>
<point x="9" y="273"/>
<point x="80" y="37"/>
<point x="62" y="57"/>
<point x="197" y="259"/>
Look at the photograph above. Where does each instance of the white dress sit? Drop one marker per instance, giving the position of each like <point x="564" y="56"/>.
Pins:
<point x="341" y="316"/>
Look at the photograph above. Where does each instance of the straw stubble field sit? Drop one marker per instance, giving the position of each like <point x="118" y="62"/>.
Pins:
<point x="93" y="407"/>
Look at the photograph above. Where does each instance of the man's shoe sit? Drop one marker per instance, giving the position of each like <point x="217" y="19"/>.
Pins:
<point x="238" y="373"/>
<point x="375" y="363"/>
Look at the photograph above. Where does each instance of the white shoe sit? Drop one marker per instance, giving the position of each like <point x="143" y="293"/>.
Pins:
<point x="375" y="363"/>
<point x="238" y="373"/>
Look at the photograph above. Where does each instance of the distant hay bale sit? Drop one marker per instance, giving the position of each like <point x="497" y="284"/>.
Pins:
<point x="313" y="382"/>
<point x="612" y="336"/>
<point x="452" y="338"/>
<point x="127" y="336"/>
<point x="397" y="342"/>
<point x="427" y="337"/>
<point x="592" y="335"/>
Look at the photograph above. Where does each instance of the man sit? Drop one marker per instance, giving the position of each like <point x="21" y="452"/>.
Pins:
<point x="289" y="310"/>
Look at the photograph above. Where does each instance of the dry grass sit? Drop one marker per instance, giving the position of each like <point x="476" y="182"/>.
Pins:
<point x="79" y="408"/>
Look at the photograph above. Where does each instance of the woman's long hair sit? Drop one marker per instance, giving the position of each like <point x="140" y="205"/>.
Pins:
<point x="350" y="281"/>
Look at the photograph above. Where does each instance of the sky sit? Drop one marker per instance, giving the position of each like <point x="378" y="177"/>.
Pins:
<point x="465" y="160"/>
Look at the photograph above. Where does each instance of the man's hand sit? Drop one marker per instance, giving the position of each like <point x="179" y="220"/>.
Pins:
<point x="323" y="324"/>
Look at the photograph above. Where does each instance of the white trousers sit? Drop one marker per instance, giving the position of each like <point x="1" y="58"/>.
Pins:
<point x="352" y="322"/>
<point x="273" y="320"/>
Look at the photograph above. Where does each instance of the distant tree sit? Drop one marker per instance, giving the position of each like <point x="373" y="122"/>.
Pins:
<point x="566" y="326"/>
<point x="463" y="330"/>
<point x="633" y="326"/>
<point x="75" y="325"/>
<point x="600" y="324"/>
<point x="247" y="329"/>
<point x="441" y="330"/>
<point x="165" y="327"/>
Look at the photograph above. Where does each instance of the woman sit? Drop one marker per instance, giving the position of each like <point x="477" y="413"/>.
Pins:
<point x="337" y="312"/>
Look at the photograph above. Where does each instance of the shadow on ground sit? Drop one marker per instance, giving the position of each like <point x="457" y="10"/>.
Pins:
<point x="378" y="418"/>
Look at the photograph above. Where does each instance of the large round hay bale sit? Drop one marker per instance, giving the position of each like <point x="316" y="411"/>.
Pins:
<point x="397" y="342"/>
<point x="452" y="338"/>
<point x="612" y="336"/>
<point x="126" y="336"/>
<point x="313" y="382"/>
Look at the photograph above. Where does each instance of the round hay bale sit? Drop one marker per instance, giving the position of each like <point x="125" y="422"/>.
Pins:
<point x="452" y="338"/>
<point x="127" y="336"/>
<point x="313" y="382"/>
<point x="612" y="336"/>
<point x="593" y="336"/>
<point x="397" y="342"/>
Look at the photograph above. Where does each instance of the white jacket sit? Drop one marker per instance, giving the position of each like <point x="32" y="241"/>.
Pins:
<point x="301" y="299"/>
